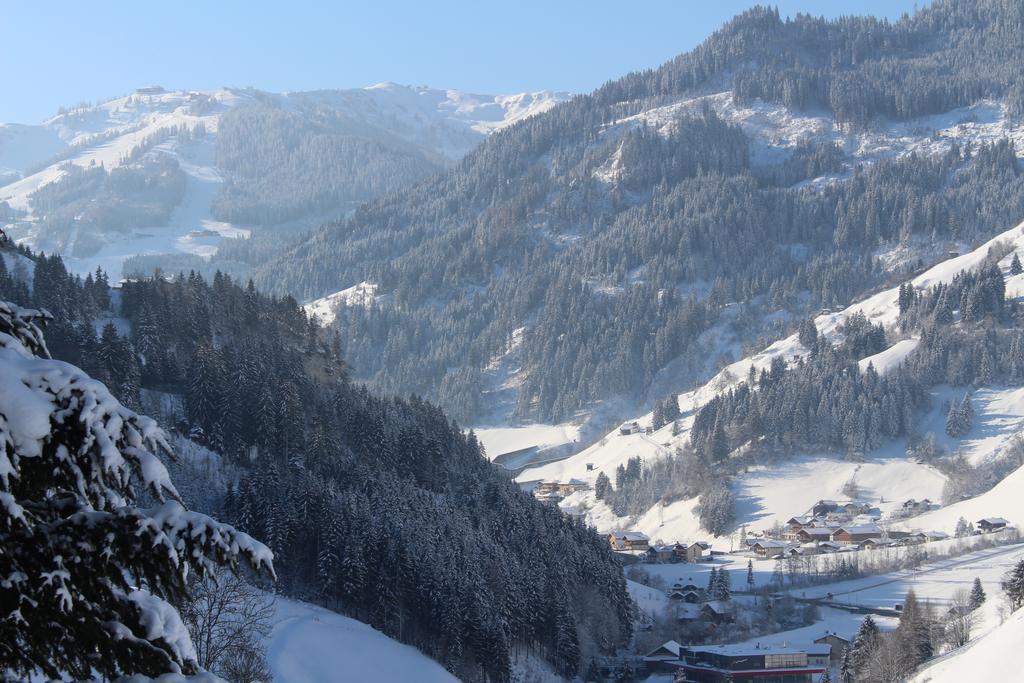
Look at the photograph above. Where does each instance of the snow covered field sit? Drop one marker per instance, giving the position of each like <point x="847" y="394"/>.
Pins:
<point x="309" y="644"/>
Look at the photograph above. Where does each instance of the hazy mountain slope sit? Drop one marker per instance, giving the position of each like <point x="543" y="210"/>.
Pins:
<point x="787" y="165"/>
<point x="345" y="146"/>
<point x="795" y="480"/>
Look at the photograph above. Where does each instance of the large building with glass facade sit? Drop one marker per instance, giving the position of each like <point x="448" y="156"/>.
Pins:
<point x="749" y="663"/>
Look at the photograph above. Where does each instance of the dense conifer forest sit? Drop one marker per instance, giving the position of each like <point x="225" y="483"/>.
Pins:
<point x="381" y="508"/>
<point x="614" y="253"/>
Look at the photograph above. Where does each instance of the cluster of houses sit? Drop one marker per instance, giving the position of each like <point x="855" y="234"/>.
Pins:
<point x="911" y="508"/>
<point x="554" y="492"/>
<point x="692" y="603"/>
<point x="673" y="553"/>
<point x="810" y="540"/>
<point x="658" y="553"/>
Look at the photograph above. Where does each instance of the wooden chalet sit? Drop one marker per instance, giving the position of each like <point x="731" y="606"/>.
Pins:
<point x="766" y="547"/>
<point x="814" y="534"/>
<point x="661" y="658"/>
<point x="856" y="534"/>
<point x="990" y="524"/>
<point x="628" y="540"/>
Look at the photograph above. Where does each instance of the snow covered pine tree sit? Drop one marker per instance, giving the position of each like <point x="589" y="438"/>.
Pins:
<point x="85" y="574"/>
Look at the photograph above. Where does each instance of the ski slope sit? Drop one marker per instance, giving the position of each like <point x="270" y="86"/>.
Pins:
<point x="309" y="644"/>
<point x="789" y="488"/>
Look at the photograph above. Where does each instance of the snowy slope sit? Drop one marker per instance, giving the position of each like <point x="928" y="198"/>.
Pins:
<point x="988" y="657"/>
<point x="444" y="123"/>
<point x="1006" y="499"/>
<point x="776" y="130"/>
<point x="309" y="644"/>
<point x="326" y="308"/>
<point x="788" y="489"/>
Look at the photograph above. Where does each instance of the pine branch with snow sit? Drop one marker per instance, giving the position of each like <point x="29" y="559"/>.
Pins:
<point x="85" y="574"/>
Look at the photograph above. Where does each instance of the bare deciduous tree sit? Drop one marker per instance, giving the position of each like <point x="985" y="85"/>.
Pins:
<point x="227" y="619"/>
<point x="959" y="619"/>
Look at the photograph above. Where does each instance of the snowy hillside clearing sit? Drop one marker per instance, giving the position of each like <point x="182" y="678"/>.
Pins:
<point x="309" y="644"/>
<point x="326" y="308"/>
<point x="776" y="130"/>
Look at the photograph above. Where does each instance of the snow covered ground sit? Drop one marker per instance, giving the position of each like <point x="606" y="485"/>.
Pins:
<point x="326" y="308"/>
<point x="989" y="656"/>
<point x="498" y="440"/>
<point x="309" y="644"/>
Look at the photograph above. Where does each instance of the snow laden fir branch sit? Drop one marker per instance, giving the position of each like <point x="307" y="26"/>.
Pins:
<point x="87" y="576"/>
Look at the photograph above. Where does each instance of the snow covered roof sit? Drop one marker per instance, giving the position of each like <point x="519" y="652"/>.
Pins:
<point x="688" y="612"/>
<point x="770" y="543"/>
<point x="629" y="535"/>
<point x="993" y="520"/>
<point x="670" y="646"/>
<point x="862" y="529"/>
<point x="719" y="606"/>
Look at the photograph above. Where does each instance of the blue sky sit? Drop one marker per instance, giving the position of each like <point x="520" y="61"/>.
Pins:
<point x="54" y="53"/>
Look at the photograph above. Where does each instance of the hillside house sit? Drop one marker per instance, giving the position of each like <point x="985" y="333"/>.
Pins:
<point x="914" y="539"/>
<point x="814" y="534"/>
<point x="872" y="544"/>
<point x="717" y="612"/>
<point x="823" y="507"/>
<point x="936" y="536"/>
<point x="990" y="524"/>
<point x="692" y="552"/>
<point x="766" y="547"/>
<point x="628" y="428"/>
<point x="856" y="534"/>
<point x="661" y="554"/>
<point x="572" y="486"/>
<point x="688" y="586"/>
<point x="628" y="540"/>
<point x="720" y="663"/>
<point x="546" y="487"/>
<point x="828" y="547"/>
<point x="552" y="499"/>
<point x="688" y="596"/>
<point x="837" y="645"/>
<point x="916" y="507"/>
<point x="660" y="658"/>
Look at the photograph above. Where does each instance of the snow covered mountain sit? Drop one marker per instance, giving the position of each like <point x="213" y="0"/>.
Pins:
<point x="429" y="128"/>
<point x="768" y="495"/>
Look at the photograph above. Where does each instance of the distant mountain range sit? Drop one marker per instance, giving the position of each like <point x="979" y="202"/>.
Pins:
<point x="288" y="159"/>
